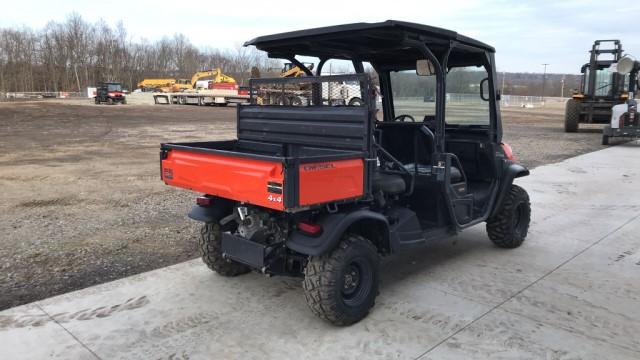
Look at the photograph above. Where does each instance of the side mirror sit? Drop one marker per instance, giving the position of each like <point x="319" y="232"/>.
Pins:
<point x="425" y="68"/>
<point x="484" y="92"/>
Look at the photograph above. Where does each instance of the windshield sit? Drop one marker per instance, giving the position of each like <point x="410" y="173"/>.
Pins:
<point x="604" y="81"/>
<point x="464" y="106"/>
<point x="413" y="95"/>
<point x="114" y="87"/>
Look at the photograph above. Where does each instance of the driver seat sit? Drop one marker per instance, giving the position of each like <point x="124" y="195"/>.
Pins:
<point x="388" y="183"/>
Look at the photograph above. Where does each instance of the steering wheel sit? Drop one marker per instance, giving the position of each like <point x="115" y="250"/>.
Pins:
<point x="403" y="117"/>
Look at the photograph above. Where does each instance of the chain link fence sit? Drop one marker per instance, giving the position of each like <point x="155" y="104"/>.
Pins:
<point x="37" y="95"/>
<point x="505" y="101"/>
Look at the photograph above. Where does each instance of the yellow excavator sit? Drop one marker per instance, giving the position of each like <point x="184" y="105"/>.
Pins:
<point x="178" y="85"/>
<point x="216" y="74"/>
<point x="290" y="70"/>
<point x="164" y="85"/>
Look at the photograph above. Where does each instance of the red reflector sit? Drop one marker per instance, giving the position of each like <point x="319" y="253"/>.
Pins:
<point x="168" y="174"/>
<point x="204" y="201"/>
<point x="621" y="121"/>
<point x="508" y="152"/>
<point x="309" y="228"/>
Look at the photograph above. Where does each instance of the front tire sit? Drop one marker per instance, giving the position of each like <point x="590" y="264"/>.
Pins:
<point x="356" y="101"/>
<point x="211" y="250"/>
<point x="341" y="287"/>
<point x="571" y="116"/>
<point x="509" y="226"/>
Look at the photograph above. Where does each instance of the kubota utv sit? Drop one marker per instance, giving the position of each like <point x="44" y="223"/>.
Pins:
<point x="321" y="190"/>
<point x="110" y="93"/>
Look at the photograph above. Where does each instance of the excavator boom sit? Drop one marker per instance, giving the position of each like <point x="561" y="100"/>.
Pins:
<point x="216" y="74"/>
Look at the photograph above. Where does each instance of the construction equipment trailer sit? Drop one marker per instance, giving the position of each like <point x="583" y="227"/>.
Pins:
<point x="601" y="87"/>
<point x="221" y="90"/>
<point x="322" y="191"/>
<point x="218" y="97"/>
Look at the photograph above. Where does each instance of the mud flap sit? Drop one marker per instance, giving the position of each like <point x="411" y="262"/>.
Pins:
<point x="244" y="251"/>
<point x="511" y="171"/>
<point x="333" y="226"/>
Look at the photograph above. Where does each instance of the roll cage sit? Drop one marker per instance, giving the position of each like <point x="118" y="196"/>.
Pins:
<point x="392" y="46"/>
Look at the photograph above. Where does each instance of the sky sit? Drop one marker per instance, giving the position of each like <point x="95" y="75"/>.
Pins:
<point x="526" y="34"/>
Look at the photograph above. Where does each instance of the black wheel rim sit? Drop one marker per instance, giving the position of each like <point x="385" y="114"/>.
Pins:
<point x="357" y="281"/>
<point x="519" y="221"/>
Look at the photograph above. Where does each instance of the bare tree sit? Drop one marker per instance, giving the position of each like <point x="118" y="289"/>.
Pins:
<point x="74" y="54"/>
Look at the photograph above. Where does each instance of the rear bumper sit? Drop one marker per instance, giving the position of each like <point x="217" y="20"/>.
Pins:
<point x="622" y="132"/>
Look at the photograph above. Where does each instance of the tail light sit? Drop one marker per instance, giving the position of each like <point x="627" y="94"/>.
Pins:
<point x="204" y="201"/>
<point x="508" y="152"/>
<point x="621" y="121"/>
<point x="310" y="228"/>
<point x="223" y="86"/>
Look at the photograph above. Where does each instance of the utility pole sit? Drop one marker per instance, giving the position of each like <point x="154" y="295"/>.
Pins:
<point x="562" y="88"/>
<point x="544" y="78"/>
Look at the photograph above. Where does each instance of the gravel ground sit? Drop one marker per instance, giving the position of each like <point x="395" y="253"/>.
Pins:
<point x="82" y="202"/>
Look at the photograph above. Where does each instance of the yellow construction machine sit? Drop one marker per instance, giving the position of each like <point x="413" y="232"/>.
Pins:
<point x="217" y="77"/>
<point x="290" y="70"/>
<point x="155" y="84"/>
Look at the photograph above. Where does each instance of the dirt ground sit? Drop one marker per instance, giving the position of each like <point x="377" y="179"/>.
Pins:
<point x="81" y="201"/>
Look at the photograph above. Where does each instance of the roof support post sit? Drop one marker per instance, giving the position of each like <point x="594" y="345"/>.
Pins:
<point x="441" y="87"/>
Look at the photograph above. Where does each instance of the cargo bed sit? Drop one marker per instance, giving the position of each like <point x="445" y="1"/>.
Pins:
<point x="284" y="159"/>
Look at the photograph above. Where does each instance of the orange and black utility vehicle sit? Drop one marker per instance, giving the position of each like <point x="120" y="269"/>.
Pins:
<point x="320" y="189"/>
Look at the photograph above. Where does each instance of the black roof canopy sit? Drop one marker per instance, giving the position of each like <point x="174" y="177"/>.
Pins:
<point x="378" y="43"/>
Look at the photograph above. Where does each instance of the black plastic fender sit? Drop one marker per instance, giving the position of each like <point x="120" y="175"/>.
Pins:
<point x="510" y="172"/>
<point x="333" y="227"/>
<point x="208" y="214"/>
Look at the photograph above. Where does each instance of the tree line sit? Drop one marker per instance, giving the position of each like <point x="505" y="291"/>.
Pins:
<point x="74" y="54"/>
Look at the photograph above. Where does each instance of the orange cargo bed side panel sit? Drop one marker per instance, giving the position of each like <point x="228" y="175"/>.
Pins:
<point x="330" y="181"/>
<point x="233" y="178"/>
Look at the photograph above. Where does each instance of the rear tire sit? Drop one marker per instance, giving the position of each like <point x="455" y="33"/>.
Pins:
<point x="605" y="140"/>
<point x="211" y="250"/>
<point x="110" y="101"/>
<point x="571" y="116"/>
<point x="341" y="287"/>
<point x="509" y="226"/>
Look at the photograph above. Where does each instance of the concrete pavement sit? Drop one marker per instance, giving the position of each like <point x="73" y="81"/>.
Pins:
<point x="571" y="291"/>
